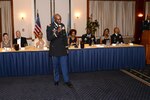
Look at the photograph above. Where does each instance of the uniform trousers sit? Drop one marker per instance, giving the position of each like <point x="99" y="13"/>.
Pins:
<point x="60" y="61"/>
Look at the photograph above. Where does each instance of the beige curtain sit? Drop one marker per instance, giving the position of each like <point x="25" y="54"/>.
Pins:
<point x="6" y="17"/>
<point x="147" y="9"/>
<point x="114" y="13"/>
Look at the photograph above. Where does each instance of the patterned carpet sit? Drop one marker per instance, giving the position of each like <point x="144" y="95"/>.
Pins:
<point x="145" y="70"/>
<point x="142" y="75"/>
<point x="102" y="85"/>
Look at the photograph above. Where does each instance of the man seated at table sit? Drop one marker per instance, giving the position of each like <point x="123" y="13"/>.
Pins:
<point x="146" y="23"/>
<point x="116" y="37"/>
<point x="40" y="42"/>
<point x="22" y="41"/>
<point x="88" y="38"/>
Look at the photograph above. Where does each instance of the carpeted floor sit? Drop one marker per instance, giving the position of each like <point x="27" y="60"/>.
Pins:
<point x="145" y="70"/>
<point x="142" y="74"/>
<point x="102" y="85"/>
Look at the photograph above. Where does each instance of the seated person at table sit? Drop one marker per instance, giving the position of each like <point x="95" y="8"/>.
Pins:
<point x="6" y="42"/>
<point x="72" y="39"/>
<point x="22" y="41"/>
<point x="105" y="38"/>
<point x="88" y="38"/>
<point x="116" y="37"/>
<point x="146" y="23"/>
<point x="40" y="42"/>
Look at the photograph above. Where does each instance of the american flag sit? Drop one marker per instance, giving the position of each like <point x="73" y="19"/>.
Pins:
<point x="37" y="28"/>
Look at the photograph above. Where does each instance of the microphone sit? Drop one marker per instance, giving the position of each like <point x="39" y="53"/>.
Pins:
<point x="59" y="26"/>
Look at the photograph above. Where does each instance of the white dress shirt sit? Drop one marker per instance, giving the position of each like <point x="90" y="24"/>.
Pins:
<point x="19" y="42"/>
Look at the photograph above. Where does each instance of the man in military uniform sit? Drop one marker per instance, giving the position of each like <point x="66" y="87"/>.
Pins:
<point x="116" y="37"/>
<point x="146" y="23"/>
<point x="56" y="34"/>
<point x="88" y="38"/>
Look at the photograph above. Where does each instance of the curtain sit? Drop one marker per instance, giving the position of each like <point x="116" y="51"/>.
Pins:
<point x="112" y="14"/>
<point x="147" y="9"/>
<point x="6" y="17"/>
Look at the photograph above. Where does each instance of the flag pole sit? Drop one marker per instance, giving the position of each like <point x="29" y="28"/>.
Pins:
<point x="33" y="36"/>
<point x="51" y="10"/>
<point x="37" y="11"/>
<point x="53" y="7"/>
<point x="34" y="9"/>
<point x="69" y="15"/>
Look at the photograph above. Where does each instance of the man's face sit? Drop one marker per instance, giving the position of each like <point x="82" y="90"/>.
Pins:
<point x="116" y="30"/>
<point x="18" y="34"/>
<point x="148" y="17"/>
<point x="57" y="19"/>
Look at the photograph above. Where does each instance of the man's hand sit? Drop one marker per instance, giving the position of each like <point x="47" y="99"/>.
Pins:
<point x="59" y="29"/>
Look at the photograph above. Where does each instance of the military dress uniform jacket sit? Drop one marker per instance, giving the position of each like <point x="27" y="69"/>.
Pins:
<point x="116" y="38"/>
<point x="58" y="40"/>
<point x="146" y="25"/>
<point x="88" y="40"/>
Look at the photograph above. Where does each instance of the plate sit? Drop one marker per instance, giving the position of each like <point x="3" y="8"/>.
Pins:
<point x="100" y="46"/>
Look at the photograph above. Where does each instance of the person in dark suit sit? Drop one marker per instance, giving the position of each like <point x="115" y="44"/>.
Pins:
<point x="22" y="41"/>
<point x="56" y="34"/>
<point x="88" y="38"/>
<point x="116" y="38"/>
<point x="146" y="23"/>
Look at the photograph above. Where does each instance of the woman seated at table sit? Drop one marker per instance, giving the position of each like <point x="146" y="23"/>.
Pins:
<point x="105" y="39"/>
<point x="40" y="42"/>
<point x="72" y="39"/>
<point x="6" y="42"/>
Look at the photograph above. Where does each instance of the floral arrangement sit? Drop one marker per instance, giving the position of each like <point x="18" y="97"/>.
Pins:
<point x="92" y="25"/>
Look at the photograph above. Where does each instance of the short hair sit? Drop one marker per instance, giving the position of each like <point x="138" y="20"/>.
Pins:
<point x="18" y="31"/>
<point x="5" y="34"/>
<point x="56" y="15"/>
<point x="72" y="30"/>
<point x="116" y="28"/>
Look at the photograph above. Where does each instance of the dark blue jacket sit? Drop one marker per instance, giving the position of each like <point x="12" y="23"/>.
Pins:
<point x="88" y="40"/>
<point x="116" y="38"/>
<point x="23" y="41"/>
<point x="58" y="40"/>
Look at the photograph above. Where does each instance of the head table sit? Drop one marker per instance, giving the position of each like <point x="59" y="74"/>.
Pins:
<point x="34" y="61"/>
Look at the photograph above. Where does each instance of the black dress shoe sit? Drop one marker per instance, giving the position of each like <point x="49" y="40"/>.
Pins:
<point x="69" y="84"/>
<point x="56" y="83"/>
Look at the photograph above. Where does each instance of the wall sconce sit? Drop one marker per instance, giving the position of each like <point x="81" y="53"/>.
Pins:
<point x="77" y="15"/>
<point x="140" y="15"/>
<point x="22" y="16"/>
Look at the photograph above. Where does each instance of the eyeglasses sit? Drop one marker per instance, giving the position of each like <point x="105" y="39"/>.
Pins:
<point x="59" y="19"/>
